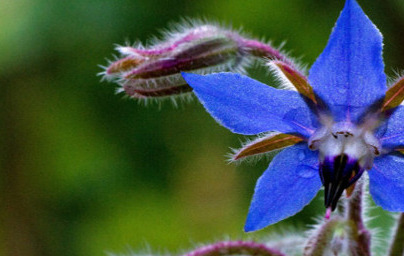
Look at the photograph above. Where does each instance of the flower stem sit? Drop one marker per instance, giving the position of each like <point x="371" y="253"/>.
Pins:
<point x="359" y="240"/>
<point x="397" y="246"/>
<point x="319" y="243"/>
<point x="260" y="49"/>
<point x="235" y="248"/>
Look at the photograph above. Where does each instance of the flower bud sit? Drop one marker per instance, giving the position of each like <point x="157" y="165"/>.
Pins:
<point x="193" y="56"/>
<point x="154" y="72"/>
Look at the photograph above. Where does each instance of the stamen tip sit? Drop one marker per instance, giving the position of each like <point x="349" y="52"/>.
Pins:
<point x="328" y="213"/>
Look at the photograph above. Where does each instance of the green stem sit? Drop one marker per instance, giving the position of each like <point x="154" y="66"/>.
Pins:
<point x="397" y="246"/>
<point x="359" y="236"/>
<point x="319" y="243"/>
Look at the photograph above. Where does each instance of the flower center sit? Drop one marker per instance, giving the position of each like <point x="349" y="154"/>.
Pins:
<point x="345" y="152"/>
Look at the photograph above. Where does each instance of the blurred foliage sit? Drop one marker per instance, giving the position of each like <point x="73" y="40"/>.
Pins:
<point x="84" y="172"/>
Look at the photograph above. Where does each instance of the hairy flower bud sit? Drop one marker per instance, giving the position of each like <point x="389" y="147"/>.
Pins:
<point x="155" y="71"/>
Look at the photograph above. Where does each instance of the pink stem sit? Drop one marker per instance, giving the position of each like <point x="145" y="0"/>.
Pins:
<point x="235" y="248"/>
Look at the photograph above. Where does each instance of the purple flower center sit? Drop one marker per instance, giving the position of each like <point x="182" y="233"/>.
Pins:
<point x="345" y="152"/>
<point x="337" y="174"/>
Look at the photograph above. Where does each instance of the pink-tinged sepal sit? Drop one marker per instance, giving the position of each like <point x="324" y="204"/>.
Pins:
<point x="144" y="93"/>
<point x="291" y="76"/>
<point x="123" y="65"/>
<point x="394" y="95"/>
<point x="193" y="56"/>
<point x="266" y="144"/>
<point x="173" y="41"/>
<point x="157" y="88"/>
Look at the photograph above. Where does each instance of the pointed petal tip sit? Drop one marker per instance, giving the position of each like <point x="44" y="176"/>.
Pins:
<point x="248" y="229"/>
<point x="189" y="78"/>
<point x="350" y="4"/>
<point x="188" y="75"/>
<point x="352" y="57"/>
<point x="185" y="75"/>
<point x="252" y="226"/>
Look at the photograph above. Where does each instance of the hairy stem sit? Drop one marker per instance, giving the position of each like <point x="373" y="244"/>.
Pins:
<point x="235" y="248"/>
<point x="319" y="243"/>
<point x="260" y="49"/>
<point x="397" y="246"/>
<point x="359" y="236"/>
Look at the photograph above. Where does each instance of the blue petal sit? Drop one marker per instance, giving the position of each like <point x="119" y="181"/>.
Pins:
<point x="247" y="106"/>
<point x="290" y="182"/>
<point x="387" y="182"/>
<point x="349" y="74"/>
<point x="391" y="134"/>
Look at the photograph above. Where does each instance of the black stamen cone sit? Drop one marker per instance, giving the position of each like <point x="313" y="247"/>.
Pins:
<point x="338" y="173"/>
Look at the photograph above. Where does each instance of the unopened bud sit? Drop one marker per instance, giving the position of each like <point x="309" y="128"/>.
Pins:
<point x="193" y="56"/>
<point x="155" y="71"/>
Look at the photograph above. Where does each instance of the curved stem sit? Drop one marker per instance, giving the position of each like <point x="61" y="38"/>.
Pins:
<point x="235" y="248"/>
<point x="397" y="246"/>
<point x="260" y="49"/>
<point x="263" y="50"/>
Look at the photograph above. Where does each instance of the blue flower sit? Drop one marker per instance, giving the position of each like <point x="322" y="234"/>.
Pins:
<point x="341" y="122"/>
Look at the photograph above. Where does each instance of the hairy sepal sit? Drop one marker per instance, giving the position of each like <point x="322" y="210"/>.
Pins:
<point x="291" y="77"/>
<point x="394" y="95"/>
<point x="268" y="143"/>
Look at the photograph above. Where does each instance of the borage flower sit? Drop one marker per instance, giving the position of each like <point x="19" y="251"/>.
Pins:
<point x="342" y="121"/>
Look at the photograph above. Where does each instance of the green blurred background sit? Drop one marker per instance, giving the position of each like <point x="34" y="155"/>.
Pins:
<point x="86" y="172"/>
